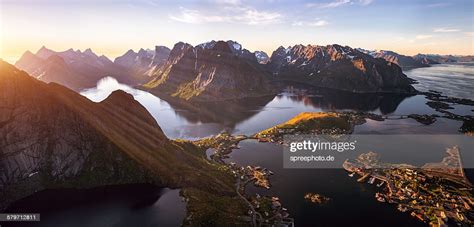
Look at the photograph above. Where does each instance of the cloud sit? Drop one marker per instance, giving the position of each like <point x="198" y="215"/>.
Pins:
<point x="231" y="2"/>
<point x="469" y="33"/>
<point x="338" y="3"/>
<point x="365" y="2"/>
<point x="315" y="23"/>
<point x="438" y="4"/>
<point x="333" y="4"/>
<point x="446" y="30"/>
<point x="230" y="14"/>
<point x="423" y="37"/>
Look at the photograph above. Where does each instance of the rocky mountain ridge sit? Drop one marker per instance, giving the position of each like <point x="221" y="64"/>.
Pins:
<point x="72" y="68"/>
<point x="436" y="58"/>
<point x="338" y="67"/>
<point x="405" y="62"/>
<point x="141" y="65"/>
<point x="224" y="70"/>
<point x="213" y="71"/>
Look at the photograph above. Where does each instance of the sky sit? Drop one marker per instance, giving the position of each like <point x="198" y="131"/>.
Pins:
<point x="111" y="27"/>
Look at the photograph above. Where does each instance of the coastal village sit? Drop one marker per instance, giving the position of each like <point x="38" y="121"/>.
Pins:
<point x="438" y="194"/>
<point x="262" y="210"/>
<point x="425" y="194"/>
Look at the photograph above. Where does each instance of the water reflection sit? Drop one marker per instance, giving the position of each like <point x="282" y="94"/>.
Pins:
<point x="331" y="100"/>
<point x="227" y="113"/>
<point x="247" y="116"/>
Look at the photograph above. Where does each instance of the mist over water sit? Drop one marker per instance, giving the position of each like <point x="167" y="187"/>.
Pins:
<point x="456" y="80"/>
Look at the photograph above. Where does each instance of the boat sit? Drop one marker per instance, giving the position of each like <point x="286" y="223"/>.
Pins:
<point x="371" y="180"/>
<point x="379" y="197"/>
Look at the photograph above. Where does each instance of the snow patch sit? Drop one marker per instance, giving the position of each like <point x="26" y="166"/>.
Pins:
<point x="237" y="46"/>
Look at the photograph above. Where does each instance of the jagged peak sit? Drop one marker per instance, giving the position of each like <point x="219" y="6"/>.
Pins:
<point x="43" y="50"/>
<point x="88" y="51"/>
<point x="27" y="53"/>
<point x="235" y="45"/>
<point x="181" y="45"/>
<point x="130" y="51"/>
<point x="158" y="47"/>
<point x="222" y="46"/>
<point x="281" y="48"/>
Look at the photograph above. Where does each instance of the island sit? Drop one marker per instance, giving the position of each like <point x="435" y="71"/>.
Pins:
<point x="316" y="198"/>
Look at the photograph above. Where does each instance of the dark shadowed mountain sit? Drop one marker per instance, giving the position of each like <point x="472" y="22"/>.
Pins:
<point x="141" y="65"/>
<point x="213" y="71"/>
<point x="74" y="69"/>
<point x="338" y="67"/>
<point x="406" y="62"/>
<point x="53" y="137"/>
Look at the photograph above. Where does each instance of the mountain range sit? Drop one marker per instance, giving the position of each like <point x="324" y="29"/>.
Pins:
<point x="225" y="70"/>
<point x="417" y="61"/>
<point x="74" y="69"/>
<point x="406" y="62"/>
<point x="436" y="58"/>
<point x="141" y="65"/>
<point x="213" y="71"/>
<point x="338" y="67"/>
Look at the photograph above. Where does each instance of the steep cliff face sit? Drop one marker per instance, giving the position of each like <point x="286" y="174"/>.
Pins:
<point x="338" y="67"/>
<point x="141" y="65"/>
<point x="52" y="137"/>
<point x="214" y="71"/>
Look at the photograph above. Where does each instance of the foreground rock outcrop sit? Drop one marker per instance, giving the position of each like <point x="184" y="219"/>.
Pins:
<point x="52" y="137"/>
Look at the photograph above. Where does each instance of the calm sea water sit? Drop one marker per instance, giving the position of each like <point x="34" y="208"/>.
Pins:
<point x="123" y="205"/>
<point x="455" y="80"/>
<point x="352" y="203"/>
<point x="256" y="114"/>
